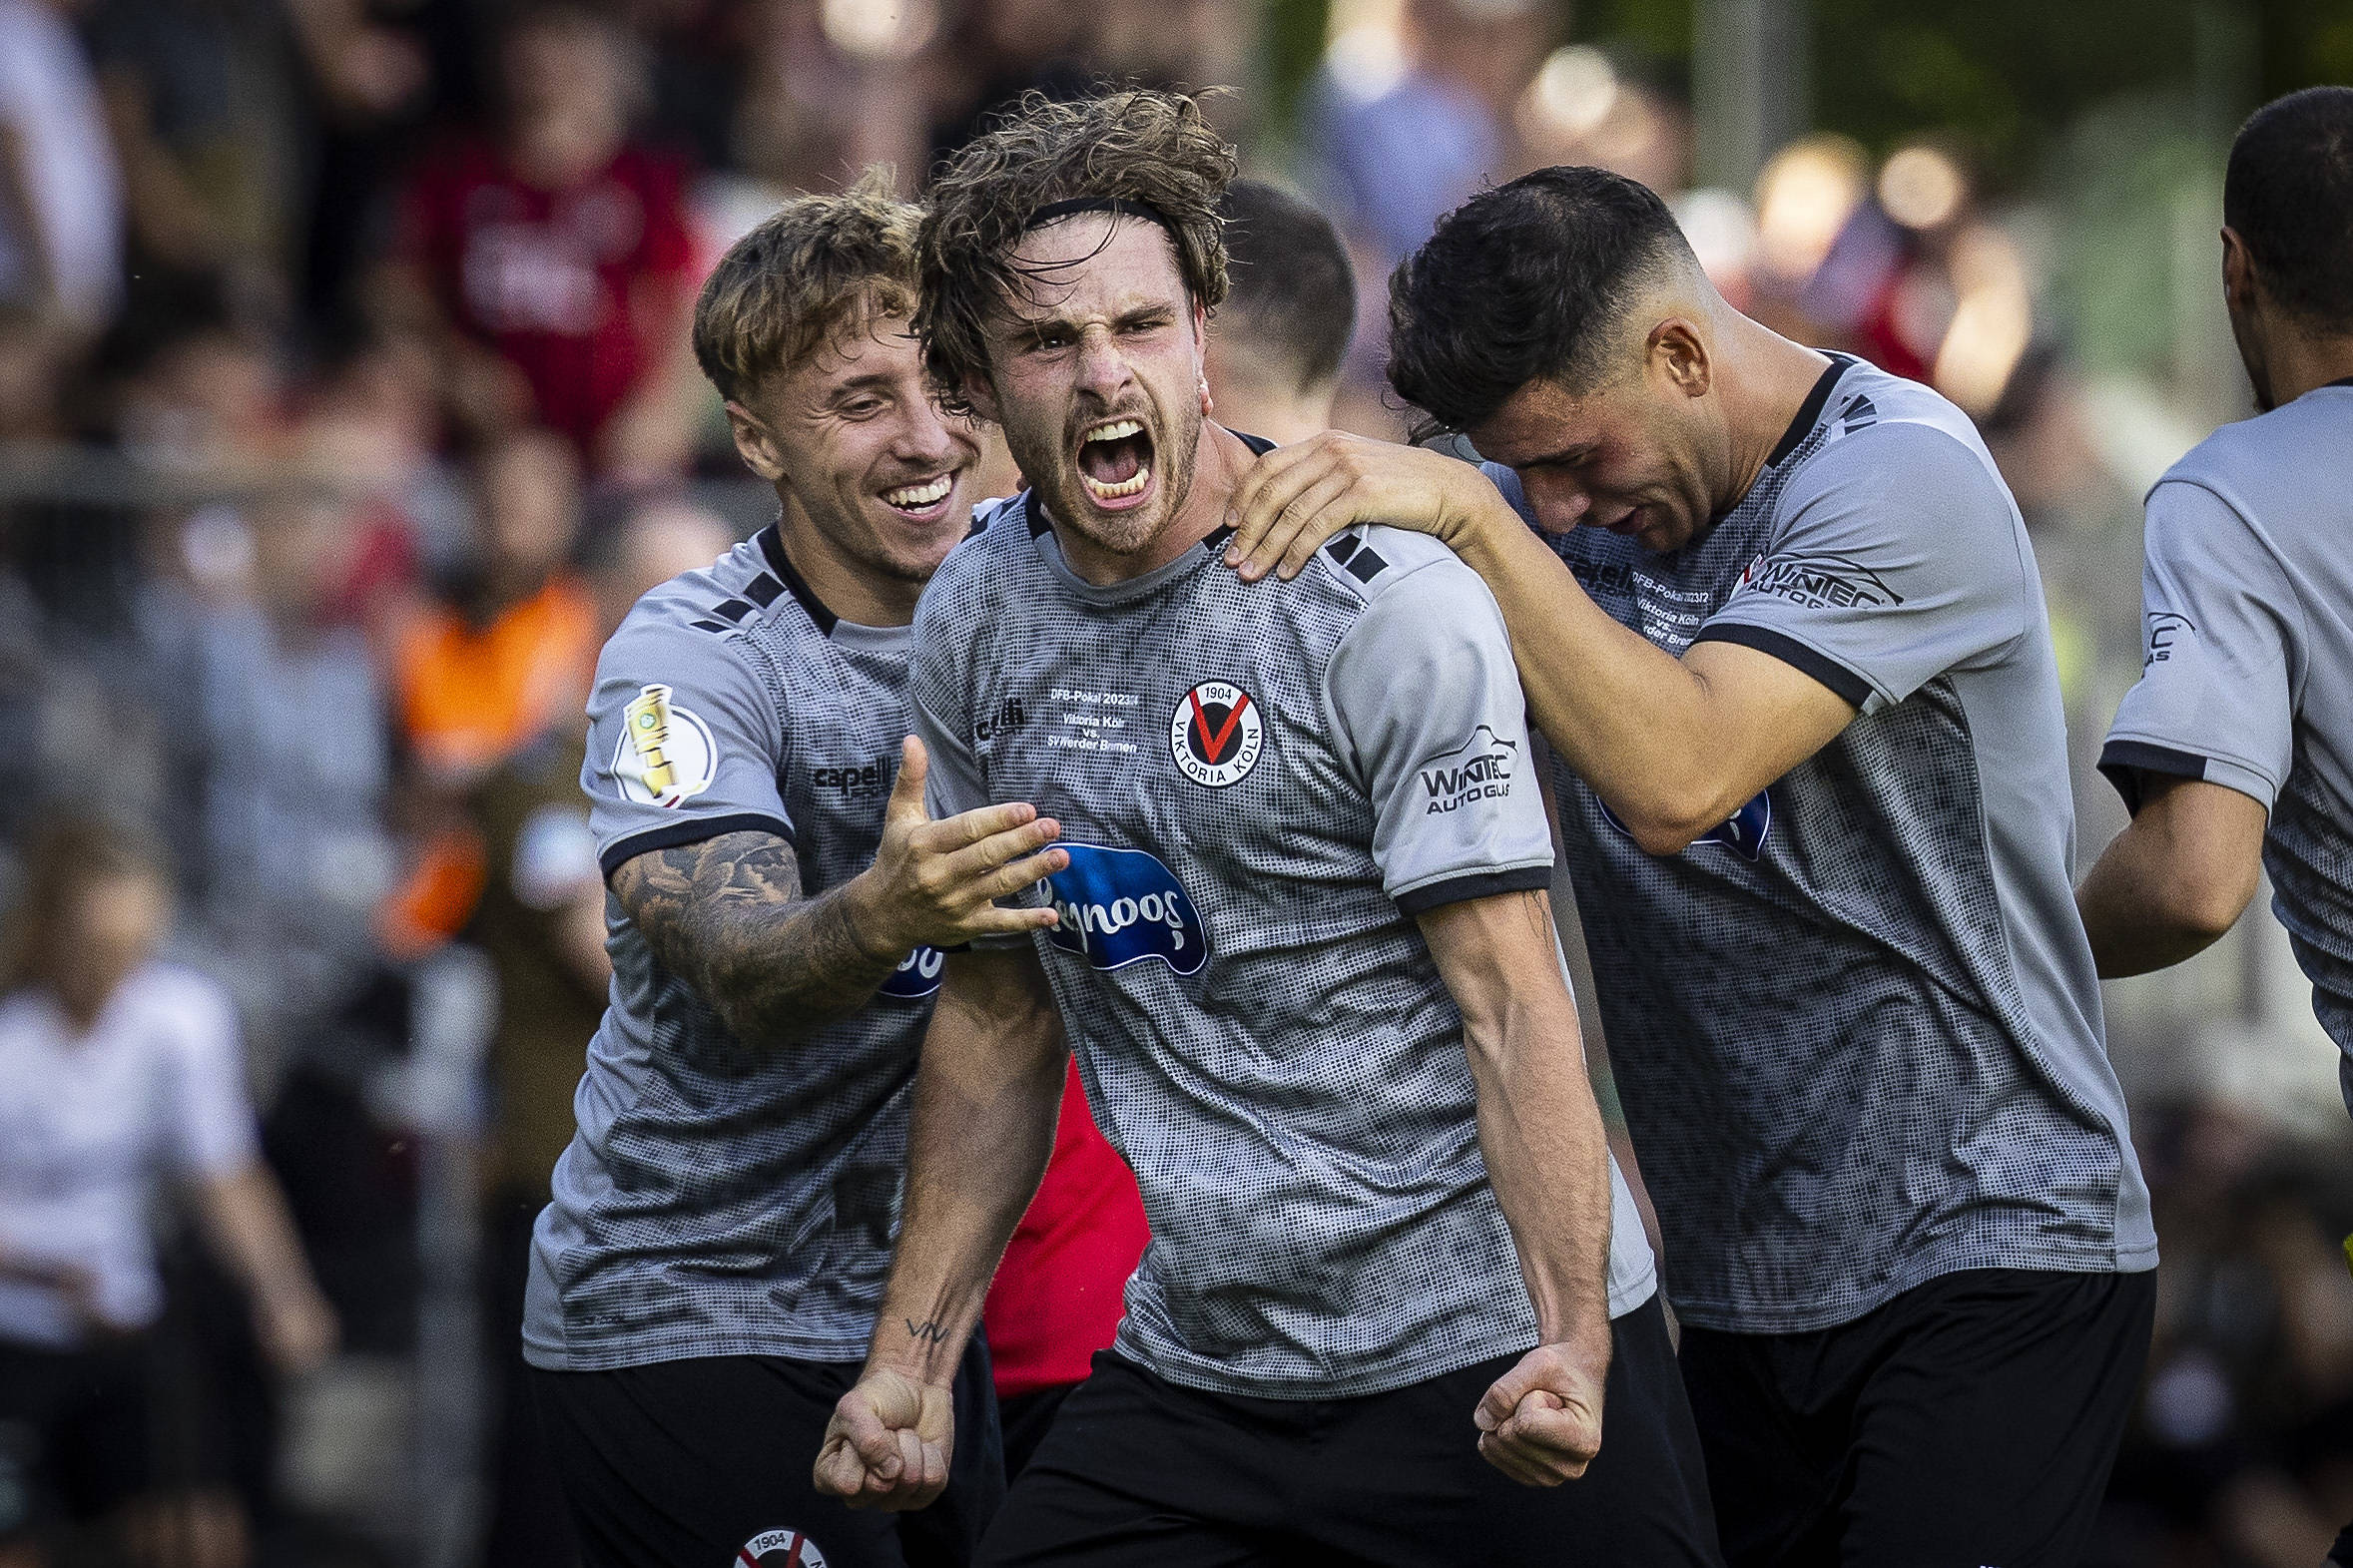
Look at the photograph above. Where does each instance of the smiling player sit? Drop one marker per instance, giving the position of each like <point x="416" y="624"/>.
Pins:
<point x="705" y="1279"/>
<point x="1304" y="954"/>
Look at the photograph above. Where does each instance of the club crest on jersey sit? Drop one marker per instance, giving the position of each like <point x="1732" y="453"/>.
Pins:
<point x="1216" y="734"/>
<point x="779" y="1549"/>
<point x="665" y="755"/>
<point x="916" y="976"/>
<point x="1744" y="833"/>
<point x="1119" y="906"/>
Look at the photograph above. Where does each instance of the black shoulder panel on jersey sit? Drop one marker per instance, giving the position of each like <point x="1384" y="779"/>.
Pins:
<point x="720" y="626"/>
<point x="763" y="590"/>
<point x="1367" y="564"/>
<point x="732" y="610"/>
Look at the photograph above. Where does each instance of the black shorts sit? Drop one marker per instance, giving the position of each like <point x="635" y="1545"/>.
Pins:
<point x="705" y="1463"/>
<point x="74" y="1433"/>
<point x="1139" y="1472"/>
<point x="1973" y="1419"/>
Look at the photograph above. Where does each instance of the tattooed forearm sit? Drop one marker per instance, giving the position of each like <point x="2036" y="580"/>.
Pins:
<point x="727" y="915"/>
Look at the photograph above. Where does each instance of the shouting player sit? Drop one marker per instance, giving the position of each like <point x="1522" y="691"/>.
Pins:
<point x="1777" y="614"/>
<point x="2235" y="751"/>
<point x="1304" y="954"/>
<point x="704" y="1281"/>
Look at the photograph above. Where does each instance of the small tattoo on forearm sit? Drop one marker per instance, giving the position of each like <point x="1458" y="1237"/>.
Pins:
<point x="928" y="1330"/>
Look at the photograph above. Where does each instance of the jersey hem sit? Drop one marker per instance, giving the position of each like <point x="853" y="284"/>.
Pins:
<point x="607" y="1358"/>
<point x="1802" y="657"/>
<point x="1727" y="1318"/>
<point x="1189" y="1372"/>
<point x="671" y="835"/>
<point x="1458" y="887"/>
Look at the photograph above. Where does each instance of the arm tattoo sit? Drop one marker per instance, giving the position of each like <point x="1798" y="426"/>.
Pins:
<point x="726" y="916"/>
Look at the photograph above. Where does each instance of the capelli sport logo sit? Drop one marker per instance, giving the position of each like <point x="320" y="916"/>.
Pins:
<point x="1216" y="734"/>
<point x="1481" y="769"/>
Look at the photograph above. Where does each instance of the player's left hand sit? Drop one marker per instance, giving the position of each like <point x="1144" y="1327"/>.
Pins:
<point x="889" y="1442"/>
<point x="1294" y="497"/>
<point x="1541" y="1423"/>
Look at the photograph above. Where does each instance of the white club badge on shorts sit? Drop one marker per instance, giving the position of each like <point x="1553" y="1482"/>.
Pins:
<point x="779" y="1549"/>
<point x="665" y="755"/>
<point x="1216" y="734"/>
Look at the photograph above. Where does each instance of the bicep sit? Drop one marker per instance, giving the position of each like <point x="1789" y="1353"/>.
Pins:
<point x="2209" y="836"/>
<point x="693" y="901"/>
<point x="1767" y="716"/>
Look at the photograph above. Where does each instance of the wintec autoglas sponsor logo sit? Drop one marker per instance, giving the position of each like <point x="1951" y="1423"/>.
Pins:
<point x="1818" y="581"/>
<point x="1481" y="769"/>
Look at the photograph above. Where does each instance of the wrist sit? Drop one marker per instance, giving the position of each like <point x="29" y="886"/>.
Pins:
<point x="864" y="909"/>
<point x="1471" y="527"/>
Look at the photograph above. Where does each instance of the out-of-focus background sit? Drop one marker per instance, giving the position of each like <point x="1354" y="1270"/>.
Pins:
<point x="345" y="404"/>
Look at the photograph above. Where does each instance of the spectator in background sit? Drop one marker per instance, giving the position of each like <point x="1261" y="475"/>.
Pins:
<point x="61" y="193"/>
<point x="555" y="257"/>
<point x="1275" y="351"/>
<point x="118" y="1071"/>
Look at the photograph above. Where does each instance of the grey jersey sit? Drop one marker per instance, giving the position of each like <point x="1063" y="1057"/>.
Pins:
<point x="1856" y="1027"/>
<point x="2247" y="671"/>
<point x="1258" y="787"/>
<point x="721" y="1197"/>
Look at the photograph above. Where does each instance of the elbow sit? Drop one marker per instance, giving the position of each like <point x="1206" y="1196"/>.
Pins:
<point x="1667" y="826"/>
<point x="2201" y="910"/>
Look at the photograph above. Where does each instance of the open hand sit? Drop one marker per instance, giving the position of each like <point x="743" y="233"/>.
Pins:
<point x="1294" y="497"/>
<point x="937" y="883"/>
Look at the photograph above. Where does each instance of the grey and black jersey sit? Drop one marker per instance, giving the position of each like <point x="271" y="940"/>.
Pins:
<point x="2247" y="669"/>
<point x="1259" y="787"/>
<point x="723" y="1197"/>
<point x="1856" y="1027"/>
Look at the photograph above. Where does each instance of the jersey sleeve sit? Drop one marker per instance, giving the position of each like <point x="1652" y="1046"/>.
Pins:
<point x="1425" y="696"/>
<point x="212" y="1130"/>
<point x="2215" y="699"/>
<point x="684" y="742"/>
<point x="1901" y="558"/>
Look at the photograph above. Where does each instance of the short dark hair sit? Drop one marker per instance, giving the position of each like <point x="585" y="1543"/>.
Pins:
<point x="1526" y="281"/>
<point x="819" y="263"/>
<point x="2289" y="194"/>
<point x="1134" y="145"/>
<point x="1293" y="291"/>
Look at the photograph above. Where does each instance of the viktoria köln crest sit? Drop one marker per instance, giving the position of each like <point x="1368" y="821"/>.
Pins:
<point x="1216" y="734"/>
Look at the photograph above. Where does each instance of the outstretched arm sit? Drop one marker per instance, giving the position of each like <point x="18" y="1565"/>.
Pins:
<point x="2180" y="875"/>
<point x="1549" y="1161"/>
<point x="987" y="1100"/>
<point x="728" y="916"/>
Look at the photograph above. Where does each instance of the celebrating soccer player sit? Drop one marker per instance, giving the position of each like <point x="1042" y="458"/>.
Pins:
<point x="2235" y="751"/>
<point x="1304" y="956"/>
<point x="1777" y="614"/>
<point x="704" y="1284"/>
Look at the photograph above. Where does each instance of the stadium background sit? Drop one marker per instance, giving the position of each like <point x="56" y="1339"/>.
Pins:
<point x="285" y="572"/>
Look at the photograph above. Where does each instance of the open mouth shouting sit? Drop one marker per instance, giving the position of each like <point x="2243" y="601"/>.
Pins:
<point x="923" y="502"/>
<point x="1115" y="463"/>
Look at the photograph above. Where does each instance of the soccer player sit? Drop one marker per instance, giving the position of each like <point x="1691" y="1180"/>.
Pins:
<point x="2235" y="751"/>
<point x="1274" y="353"/>
<point x="1777" y="614"/>
<point x="704" y="1281"/>
<point x="1303" y="953"/>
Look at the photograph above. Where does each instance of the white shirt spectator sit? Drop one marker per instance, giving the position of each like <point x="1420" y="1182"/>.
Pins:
<point x="50" y="108"/>
<point x="91" y="1125"/>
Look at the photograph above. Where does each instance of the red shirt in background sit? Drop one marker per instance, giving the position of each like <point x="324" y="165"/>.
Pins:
<point x="1061" y="1289"/>
<point x="552" y="279"/>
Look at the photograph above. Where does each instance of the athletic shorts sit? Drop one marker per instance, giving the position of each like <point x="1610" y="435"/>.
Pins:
<point x="1026" y="1418"/>
<point x="1969" y="1423"/>
<point x="1139" y="1472"/>
<point x="75" y="1433"/>
<point x="2343" y="1553"/>
<point x="706" y="1463"/>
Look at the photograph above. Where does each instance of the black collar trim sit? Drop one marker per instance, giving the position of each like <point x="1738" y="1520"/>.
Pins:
<point x="1811" y="409"/>
<point x="773" y="547"/>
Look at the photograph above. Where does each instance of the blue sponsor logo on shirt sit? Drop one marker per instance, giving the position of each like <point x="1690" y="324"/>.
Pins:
<point x="1744" y="834"/>
<point x="916" y="976"/>
<point x="1121" y="905"/>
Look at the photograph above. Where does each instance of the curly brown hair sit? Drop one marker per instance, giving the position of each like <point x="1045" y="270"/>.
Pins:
<point x="1135" y="145"/>
<point x="819" y="263"/>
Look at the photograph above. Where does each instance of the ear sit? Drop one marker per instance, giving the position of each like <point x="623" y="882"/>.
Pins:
<point x="2241" y="289"/>
<point x="756" y="444"/>
<point x="980" y="397"/>
<point x="1679" y="353"/>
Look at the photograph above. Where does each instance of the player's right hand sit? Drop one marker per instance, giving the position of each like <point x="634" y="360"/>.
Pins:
<point x="936" y="884"/>
<point x="1541" y="1423"/>
<point x="889" y="1442"/>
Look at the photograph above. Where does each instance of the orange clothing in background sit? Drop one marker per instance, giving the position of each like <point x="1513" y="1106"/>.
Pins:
<point x="471" y="696"/>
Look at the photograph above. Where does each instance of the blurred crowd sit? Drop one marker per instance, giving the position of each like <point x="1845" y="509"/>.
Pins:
<point x="346" y="405"/>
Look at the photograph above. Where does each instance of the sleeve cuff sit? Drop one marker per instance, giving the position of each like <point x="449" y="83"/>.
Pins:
<point x="2124" y="761"/>
<point x="1474" y="885"/>
<point x="693" y="830"/>
<point x="1798" y="656"/>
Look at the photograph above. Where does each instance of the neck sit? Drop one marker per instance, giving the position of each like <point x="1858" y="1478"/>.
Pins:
<point x="1218" y="464"/>
<point x="1764" y="379"/>
<point x="854" y="592"/>
<point x="1280" y="417"/>
<point x="2300" y="359"/>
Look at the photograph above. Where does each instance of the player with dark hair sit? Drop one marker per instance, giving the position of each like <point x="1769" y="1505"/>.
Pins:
<point x="1778" y="616"/>
<point x="705" y="1278"/>
<point x="1275" y="356"/>
<point x="2235" y="751"/>
<point x="1304" y="954"/>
